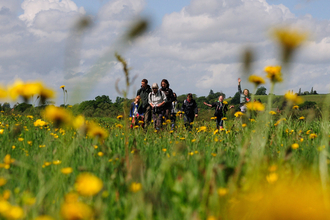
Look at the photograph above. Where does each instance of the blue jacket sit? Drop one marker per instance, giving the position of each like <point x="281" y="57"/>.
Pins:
<point x="133" y="107"/>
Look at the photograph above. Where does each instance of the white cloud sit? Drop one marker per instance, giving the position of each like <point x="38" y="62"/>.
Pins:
<point x="33" y="7"/>
<point x="196" y="49"/>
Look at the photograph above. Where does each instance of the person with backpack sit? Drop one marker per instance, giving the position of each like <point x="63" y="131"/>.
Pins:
<point x="189" y="107"/>
<point x="144" y="92"/>
<point x="157" y="100"/>
<point x="244" y="96"/>
<point x="220" y="110"/>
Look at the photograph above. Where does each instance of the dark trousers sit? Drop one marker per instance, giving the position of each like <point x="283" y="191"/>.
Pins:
<point x="188" y="119"/>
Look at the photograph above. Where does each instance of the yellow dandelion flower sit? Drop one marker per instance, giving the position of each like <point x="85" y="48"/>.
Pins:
<point x="257" y="80"/>
<point x="1" y="131"/>
<point x="3" y="181"/>
<point x="301" y="118"/>
<point x="293" y="98"/>
<point x="252" y="120"/>
<point x="274" y="73"/>
<point x="57" y="162"/>
<point x="202" y="128"/>
<point x="66" y="170"/>
<point x="312" y="136"/>
<point x="193" y="140"/>
<point x="6" y="194"/>
<point x="271" y="178"/>
<point x="100" y="154"/>
<point x="238" y="114"/>
<point x="164" y="149"/>
<point x="295" y="107"/>
<point x="119" y="117"/>
<point x="135" y="187"/>
<point x="14" y="212"/>
<point x="244" y="125"/>
<point x="222" y="191"/>
<point x="88" y="185"/>
<point x="255" y="106"/>
<point x="20" y="139"/>
<point x="59" y="116"/>
<point x="39" y="123"/>
<point x="289" y="39"/>
<point x="295" y="146"/>
<point x="95" y="131"/>
<point x="213" y="154"/>
<point x="76" y="211"/>
<point x="225" y="102"/>
<point x="62" y="87"/>
<point x="29" y="142"/>
<point x="223" y="118"/>
<point x="216" y="131"/>
<point x="272" y="113"/>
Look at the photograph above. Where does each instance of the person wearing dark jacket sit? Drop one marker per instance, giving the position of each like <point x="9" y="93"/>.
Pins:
<point x="189" y="107"/>
<point x="169" y="98"/>
<point x="221" y="108"/>
<point x="143" y="92"/>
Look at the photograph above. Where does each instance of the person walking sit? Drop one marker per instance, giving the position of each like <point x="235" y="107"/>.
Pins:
<point x="244" y="96"/>
<point x="174" y="110"/>
<point x="157" y="100"/>
<point x="165" y="88"/>
<point x="221" y="108"/>
<point x="189" y="107"/>
<point x="144" y="92"/>
<point x="136" y="112"/>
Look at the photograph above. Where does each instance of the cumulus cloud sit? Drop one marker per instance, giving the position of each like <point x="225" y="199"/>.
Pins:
<point x="196" y="49"/>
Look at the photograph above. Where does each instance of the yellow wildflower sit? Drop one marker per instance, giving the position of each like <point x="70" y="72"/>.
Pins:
<point x="3" y="181"/>
<point x="164" y="149"/>
<point x="257" y="80"/>
<point x="293" y="97"/>
<point x="14" y="212"/>
<point x="295" y="107"/>
<point x="76" y="211"/>
<point x="100" y="154"/>
<point x="271" y="178"/>
<point x="39" y="123"/>
<point x="222" y="191"/>
<point x="302" y="118"/>
<point x="59" y="116"/>
<point x="62" y="87"/>
<point x="255" y="106"/>
<point x="135" y="187"/>
<point x="312" y="136"/>
<point x="66" y="170"/>
<point x="238" y="114"/>
<point x="88" y="185"/>
<point x="57" y="162"/>
<point x="44" y="217"/>
<point x="119" y="117"/>
<point x="274" y="73"/>
<point x="272" y="113"/>
<point x="244" y="125"/>
<point x="295" y="146"/>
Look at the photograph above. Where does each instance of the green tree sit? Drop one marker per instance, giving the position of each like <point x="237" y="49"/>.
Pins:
<point x="261" y="91"/>
<point x="236" y="99"/>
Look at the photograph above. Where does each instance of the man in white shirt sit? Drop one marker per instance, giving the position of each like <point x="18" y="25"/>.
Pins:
<point x="157" y="100"/>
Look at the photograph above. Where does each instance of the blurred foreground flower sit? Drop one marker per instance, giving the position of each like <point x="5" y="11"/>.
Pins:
<point x="257" y="80"/>
<point x="293" y="97"/>
<point x="76" y="211"/>
<point x="59" y="116"/>
<point x="135" y="187"/>
<point x="88" y="185"/>
<point x="238" y="114"/>
<point x="255" y="106"/>
<point x="289" y="39"/>
<point x="274" y="73"/>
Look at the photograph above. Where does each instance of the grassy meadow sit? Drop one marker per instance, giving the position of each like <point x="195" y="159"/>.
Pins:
<point x="256" y="168"/>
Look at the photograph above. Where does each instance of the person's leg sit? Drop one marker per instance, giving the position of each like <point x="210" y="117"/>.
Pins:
<point x="154" y="118"/>
<point x="190" y="121"/>
<point x="173" y="119"/>
<point x="147" y="116"/>
<point x="221" y="123"/>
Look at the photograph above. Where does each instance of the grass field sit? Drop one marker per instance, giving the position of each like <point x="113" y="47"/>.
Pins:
<point x="254" y="169"/>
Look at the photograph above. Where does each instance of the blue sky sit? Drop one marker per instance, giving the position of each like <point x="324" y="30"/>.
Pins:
<point x="196" y="49"/>
<point x="158" y="8"/>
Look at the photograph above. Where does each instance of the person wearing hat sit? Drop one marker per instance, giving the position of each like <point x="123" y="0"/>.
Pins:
<point x="157" y="100"/>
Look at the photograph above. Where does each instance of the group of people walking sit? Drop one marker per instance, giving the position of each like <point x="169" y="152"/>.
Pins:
<point x="161" y="104"/>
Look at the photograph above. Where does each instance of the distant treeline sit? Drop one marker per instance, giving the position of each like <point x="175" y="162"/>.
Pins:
<point x="103" y="106"/>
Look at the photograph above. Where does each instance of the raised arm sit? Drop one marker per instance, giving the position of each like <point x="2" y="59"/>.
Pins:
<point x="209" y="105"/>
<point x="239" y="86"/>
